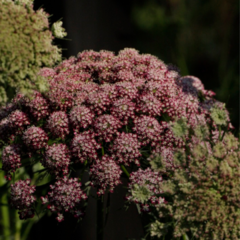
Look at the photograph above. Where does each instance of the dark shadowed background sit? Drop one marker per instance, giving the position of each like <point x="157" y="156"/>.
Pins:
<point x="201" y="37"/>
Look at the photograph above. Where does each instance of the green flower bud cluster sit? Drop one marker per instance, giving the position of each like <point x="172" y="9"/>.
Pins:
<point x="25" y="47"/>
<point x="219" y="114"/>
<point x="180" y="127"/>
<point x="203" y="192"/>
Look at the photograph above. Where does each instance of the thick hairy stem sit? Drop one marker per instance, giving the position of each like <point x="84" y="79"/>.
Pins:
<point x="5" y="221"/>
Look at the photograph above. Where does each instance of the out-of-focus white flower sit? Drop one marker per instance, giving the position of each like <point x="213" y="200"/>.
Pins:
<point x="58" y="31"/>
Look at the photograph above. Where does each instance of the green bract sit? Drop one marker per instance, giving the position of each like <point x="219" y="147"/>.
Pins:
<point x="25" y="47"/>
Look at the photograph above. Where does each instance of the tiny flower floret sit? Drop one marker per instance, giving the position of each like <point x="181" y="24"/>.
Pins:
<point x="150" y="105"/>
<point x="84" y="147"/>
<point x="38" y="107"/>
<point x="18" y="120"/>
<point x="106" y="127"/>
<point x="126" y="148"/>
<point x="148" y="129"/>
<point x="11" y="159"/>
<point x="57" y="159"/>
<point x="35" y="138"/>
<point x="105" y="174"/>
<point x="81" y="117"/>
<point x="58" y="124"/>
<point x="123" y="109"/>
<point x="98" y="102"/>
<point x="143" y="185"/>
<point x="22" y="198"/>
<point x="58" y="30"/>
<point x="65" y="196"/>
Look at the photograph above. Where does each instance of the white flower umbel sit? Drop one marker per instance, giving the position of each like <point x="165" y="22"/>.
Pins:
<point x="58" y="30"/>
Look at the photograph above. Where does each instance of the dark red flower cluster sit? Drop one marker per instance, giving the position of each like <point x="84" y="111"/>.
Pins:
<point x="11" y="159"/>
<point x="57" y="159"/>
<point x="37" y="107"/>
<point x="18" y="120"/>
<point x="126" y="104"/>
<point x="65" y="196"/>
<point x="35" y="138"/>
<point x="22" y="198"/>
<point x="84" y="147"/>
<point x="105" y="174"/>
<point x="126" y="148"/>
<point x="58" y="124"/>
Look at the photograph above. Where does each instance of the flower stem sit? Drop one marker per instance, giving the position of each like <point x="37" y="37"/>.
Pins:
<point x="220" y="131"/>
<point x="100" y="218"/>
<point x="125" y="171"/>
<point x="102" y="151"/>
<point x="18" y="227"/>
<point x="27" y="230"/>
<point x="185" y="237"/>
<point x="5" y="221"/>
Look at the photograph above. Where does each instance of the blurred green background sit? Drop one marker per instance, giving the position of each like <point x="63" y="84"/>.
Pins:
<point x="201" y="37"/>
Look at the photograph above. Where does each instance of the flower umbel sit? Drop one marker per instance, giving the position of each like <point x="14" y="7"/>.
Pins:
<point x="58" y="30"/>
<point x="22" y="198"/>
<point x="104" y="112"/>
<point x="65" y="196"/>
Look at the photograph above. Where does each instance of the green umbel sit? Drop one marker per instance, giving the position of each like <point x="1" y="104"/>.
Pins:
<point x="25" y="47"/>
